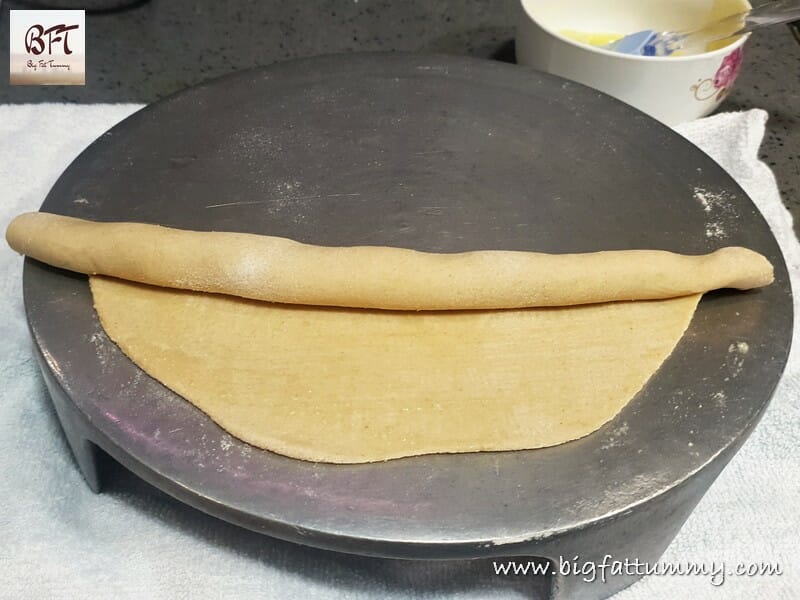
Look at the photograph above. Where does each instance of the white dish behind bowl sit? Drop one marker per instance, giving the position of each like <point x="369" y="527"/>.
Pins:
<point x="672" y="89"/>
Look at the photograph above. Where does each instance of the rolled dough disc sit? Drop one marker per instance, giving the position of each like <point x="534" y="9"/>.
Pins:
<point x="351" y="385"/>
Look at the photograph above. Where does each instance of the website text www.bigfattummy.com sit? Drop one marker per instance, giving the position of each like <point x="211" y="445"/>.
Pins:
<point x="591" y="571"/>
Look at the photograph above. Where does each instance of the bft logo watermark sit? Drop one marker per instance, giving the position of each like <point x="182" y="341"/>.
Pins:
<point x="48" y="47"/>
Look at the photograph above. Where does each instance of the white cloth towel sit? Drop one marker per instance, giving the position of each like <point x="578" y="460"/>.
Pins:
<point x="59" y="540"/>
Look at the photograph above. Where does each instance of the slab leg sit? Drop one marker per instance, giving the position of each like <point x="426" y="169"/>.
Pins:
<point x="85" y="452"/>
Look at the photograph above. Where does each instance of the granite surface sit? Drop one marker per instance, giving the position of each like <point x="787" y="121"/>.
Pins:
<point x="156" y="47"/>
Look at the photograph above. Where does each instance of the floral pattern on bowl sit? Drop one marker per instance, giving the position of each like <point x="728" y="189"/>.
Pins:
<point x="720" y="85"/>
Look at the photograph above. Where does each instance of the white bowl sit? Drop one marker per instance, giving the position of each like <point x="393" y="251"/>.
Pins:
<point x="673" y="89"/>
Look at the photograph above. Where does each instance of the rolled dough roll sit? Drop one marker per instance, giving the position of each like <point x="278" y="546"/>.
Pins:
<point x="280" y="270"/>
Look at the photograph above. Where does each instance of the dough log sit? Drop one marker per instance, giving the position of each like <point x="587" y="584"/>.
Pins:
<point x="280" y="270"/>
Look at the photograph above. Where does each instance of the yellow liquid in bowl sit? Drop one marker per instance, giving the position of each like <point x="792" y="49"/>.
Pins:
<point x="593" y="38"/>
<point x="602" y="39"/>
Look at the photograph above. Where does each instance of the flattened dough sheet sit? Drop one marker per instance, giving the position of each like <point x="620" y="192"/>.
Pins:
<point x="350" y="386"/>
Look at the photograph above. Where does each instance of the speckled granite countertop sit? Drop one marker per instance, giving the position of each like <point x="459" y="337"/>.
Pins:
<point x="157" y="47"/>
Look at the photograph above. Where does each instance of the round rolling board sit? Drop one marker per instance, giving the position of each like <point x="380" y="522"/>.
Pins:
<point x="441" y="154"/>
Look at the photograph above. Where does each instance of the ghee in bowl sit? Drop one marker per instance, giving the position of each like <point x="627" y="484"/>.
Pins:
<point x="566" y="38"/>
